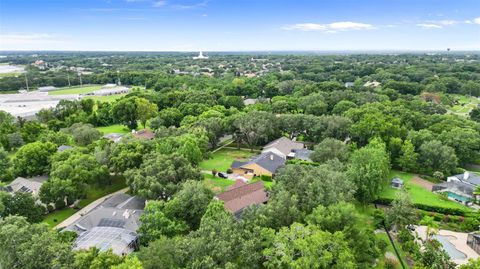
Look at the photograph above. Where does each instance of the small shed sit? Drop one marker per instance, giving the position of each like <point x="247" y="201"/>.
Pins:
<point x="397" y="183"/>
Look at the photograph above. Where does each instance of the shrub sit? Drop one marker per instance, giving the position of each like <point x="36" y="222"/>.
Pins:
<point x="382" y="245"/>
<point x="266" y="178"/>
<point x="50" y="208"/>
<point x="446" y="218"/>
<point x="229" y="171"/>
<point x="390" y="263"/>
<point x="214" y="172"/>
<point x="404" y="236"/>
<point x="378" y="218"/>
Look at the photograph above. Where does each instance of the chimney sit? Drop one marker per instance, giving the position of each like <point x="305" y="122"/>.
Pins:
<point x="466" y="175"/>
<point x="271" y="157"/>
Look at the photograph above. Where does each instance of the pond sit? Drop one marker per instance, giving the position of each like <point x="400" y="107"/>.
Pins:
<point x="452" y="251"/>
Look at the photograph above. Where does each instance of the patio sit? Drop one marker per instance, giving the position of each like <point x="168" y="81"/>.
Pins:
<point x="458" y="240"/>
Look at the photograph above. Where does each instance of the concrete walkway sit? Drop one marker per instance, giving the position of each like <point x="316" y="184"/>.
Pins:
<point x="87" y="209"/>
<point x="459" y="240"/>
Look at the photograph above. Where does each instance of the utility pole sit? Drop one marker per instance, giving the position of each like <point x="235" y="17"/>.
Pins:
<point x="80" y="76"/>
<point x="119" y="83"/>
<point x="68" y="77"/>
<point x="26" y="80"/>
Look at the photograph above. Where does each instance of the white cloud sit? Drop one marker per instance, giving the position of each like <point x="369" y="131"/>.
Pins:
<point x="448" y="22"/>
<point x="331" y="27"/>
<point x="28" y="39"/>
<point x="476" y="20"/>
<point x="429" y="26"/>
<point x="160" y="3"/>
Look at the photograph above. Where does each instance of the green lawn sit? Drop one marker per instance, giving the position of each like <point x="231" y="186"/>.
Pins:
<point x="107" y="98"/>
<point x="56" y="217"/>
<point x="465" y="104"/>
<point x="94" y="193"/>
<point x="419" y="195"/>
<point x="216" y="184"/>
<point x="222" y="159"/>
<point x="116" y="128"/>
<point x="76" y="90"/>
<point x="384" y="237"/>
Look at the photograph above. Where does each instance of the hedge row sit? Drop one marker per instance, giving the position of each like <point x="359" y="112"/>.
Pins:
<point x="439" y="209"/>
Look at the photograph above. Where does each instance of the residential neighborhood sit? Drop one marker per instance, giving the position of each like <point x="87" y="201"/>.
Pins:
<point x="209" y="134"/>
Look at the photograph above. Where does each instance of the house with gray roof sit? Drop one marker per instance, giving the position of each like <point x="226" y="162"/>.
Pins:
<point x="460" y="187"/>
<point x="283" y="147"/>
<point x="114" y="137"/>
<point x="62" y="148"/>
<point x="110" y="225"/>
<point x="29" y="185"/>
<point x="266" y="163"/>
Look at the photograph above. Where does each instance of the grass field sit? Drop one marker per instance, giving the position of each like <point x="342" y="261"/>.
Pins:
<point x="465" y="104"/>
<point x="56" y="217"/>
<point x="216" y="184"/>
<point x="418" y="194"/>
<point x="76" y="90"/>
<point x="94" y="193"/>
<point x="384" y="237"/>
<point x="222" y="159"/>
<point x="116" y="128"/>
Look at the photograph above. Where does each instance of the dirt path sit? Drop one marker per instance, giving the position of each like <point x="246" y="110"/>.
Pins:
<point x="422" y="183"/>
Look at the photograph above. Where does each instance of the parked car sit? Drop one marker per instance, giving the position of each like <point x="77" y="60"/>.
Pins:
<point x="222" y="175"/>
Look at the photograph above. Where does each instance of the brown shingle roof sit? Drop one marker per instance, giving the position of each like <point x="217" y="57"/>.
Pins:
<point x="147" y="134"/>
<point x="244" y="195"/>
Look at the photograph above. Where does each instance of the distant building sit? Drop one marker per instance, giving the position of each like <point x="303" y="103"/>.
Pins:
<point x="349" y="84"/>
<point x="372" y="84"/>
<point x="62" y="148"/>
<point x="114" y="137"/>
<point x="460" y="187"/>
<point x="46" y="88"/>
<point x="242" y="195"/>
<point x="111" y="90"/>
<point x="200" y="56"/>
<point x="110" y="225"/>
<point x="29" y="185"/>
<point x="145" y="134"/>
<point x="283" y="147"/>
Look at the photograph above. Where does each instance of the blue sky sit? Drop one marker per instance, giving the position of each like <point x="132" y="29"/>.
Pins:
<point x="239" y="25"/>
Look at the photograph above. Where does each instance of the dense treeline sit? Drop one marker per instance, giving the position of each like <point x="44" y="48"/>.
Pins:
<point x="358" y="134"/>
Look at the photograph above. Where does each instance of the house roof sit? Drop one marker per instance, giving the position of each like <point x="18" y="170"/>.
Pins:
<point x="267" y="160"/>
<point x="469" y="177"/>
<point x="145" y="133"/>
<point x="303" y="154"/>
<point x="243" y="195"/>
<point x="111" y="224"/>
<point x="456" y="187"/>
<point x="62" y="148"/>
<point x="115" y="137"/>
<point x="284" y="145"/>
<point x="30" y="185"/>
